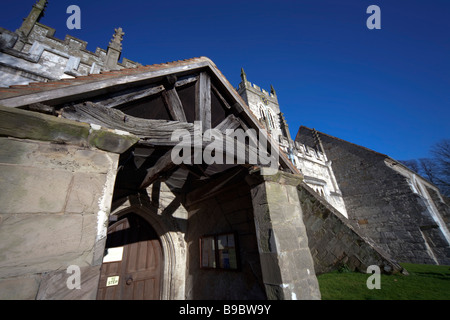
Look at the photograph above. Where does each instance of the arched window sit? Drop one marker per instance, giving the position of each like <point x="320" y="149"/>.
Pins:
<point x="270" y="118"/>
<point x="261" y="113"/>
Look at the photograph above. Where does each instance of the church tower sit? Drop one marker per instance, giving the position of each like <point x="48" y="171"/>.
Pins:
<point x="311" y="162"/>
<point x="265" y="107"/>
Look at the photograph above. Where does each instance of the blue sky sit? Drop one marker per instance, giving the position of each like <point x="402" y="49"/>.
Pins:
<point x="387" y="89"/>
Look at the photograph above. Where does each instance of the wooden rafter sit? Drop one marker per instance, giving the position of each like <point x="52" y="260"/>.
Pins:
<point x="203" y="101"/>
<point x="158" y="132"/>
<point x="188" y="80"/>
<point x="163" y="164"/>
<point x="230" y="122"/>
<point x="174" y="105"/>
<point x="220" y="96"/>
<point x="131" y="95"/>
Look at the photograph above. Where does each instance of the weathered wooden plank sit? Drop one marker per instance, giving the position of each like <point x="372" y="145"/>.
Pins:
<point x="126" y="96"/>
<point x="163" y="164"/>
<point x="234" y="149"/>
<point x="173" y="104"/>
<point x="130" y="95"/>
<point x="238" y="108"/>
<point x="186" y="81"/>
<point x="230" y="122"/>
<point x="220" y="96"/>
<point x="157" y="131"/>
<point x="160" y="132"/>
<point x="203" y="101"/>
<point x="42" y="108"/>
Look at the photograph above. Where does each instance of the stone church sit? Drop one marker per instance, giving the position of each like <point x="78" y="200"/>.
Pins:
<point x="93" y="204"/>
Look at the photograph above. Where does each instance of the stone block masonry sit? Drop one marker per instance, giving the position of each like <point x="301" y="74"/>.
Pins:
<point x="229" y="210"/>
<point x="385" y="202"/>
<point x="55" y="192"/>
<point x="334" y="242"/>
<point x="286" y="261"/>
<point x="49" y="205"/>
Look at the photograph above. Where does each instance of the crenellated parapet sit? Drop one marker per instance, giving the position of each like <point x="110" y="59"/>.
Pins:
<point x="32" y="53"/>
<point x="257" y="89"/>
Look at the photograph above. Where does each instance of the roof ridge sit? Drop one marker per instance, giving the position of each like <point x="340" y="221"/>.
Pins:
<point x="339" y="139"/>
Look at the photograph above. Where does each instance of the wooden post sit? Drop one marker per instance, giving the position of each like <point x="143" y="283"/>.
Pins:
<point x="174" y="105"/>
<point x="203" y="101"/>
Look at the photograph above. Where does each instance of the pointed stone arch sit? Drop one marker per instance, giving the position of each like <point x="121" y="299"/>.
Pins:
<point x="174" y="255"/>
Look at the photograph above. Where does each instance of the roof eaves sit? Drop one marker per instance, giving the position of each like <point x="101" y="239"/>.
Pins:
<point x="54" y="91"/>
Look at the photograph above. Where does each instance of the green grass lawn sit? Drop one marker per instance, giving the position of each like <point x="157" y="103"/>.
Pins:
<point x="424" y="282"/>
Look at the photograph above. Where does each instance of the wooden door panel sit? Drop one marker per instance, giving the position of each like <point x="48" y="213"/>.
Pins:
<point x="141" y="290"/>
<point x="140" y="269"/>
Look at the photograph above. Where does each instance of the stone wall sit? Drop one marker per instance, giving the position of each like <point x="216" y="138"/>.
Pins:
<point x="229" y="211"/>
<point x="49" y="200"/>
<point x="55" y="195"/>
<point x="334" y="243"/>
<point x="381" y="203"/>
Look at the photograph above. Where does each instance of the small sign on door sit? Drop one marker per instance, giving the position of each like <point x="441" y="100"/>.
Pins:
<point x="112" y="281"/>
<point x="113" y="255"/>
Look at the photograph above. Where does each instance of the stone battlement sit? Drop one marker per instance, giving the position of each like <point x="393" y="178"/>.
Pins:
<point x="33" y="53"/>
<point x="303" y="151"/>
<point x="256" y="88"/>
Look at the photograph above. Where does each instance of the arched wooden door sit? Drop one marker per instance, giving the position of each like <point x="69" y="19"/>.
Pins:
<point x="132" y="267"/>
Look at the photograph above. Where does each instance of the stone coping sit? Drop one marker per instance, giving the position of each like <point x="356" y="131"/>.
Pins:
<point x="258" y="175"/>
<point x="24" y="124"/>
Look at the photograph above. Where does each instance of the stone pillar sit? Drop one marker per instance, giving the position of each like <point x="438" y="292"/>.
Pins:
<point x="286" y="262"/>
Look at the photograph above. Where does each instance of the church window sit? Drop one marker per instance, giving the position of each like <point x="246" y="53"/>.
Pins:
<point x="270" y="118"/>
<point x="261" y="113"/>
<point x="219" y="252"/>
